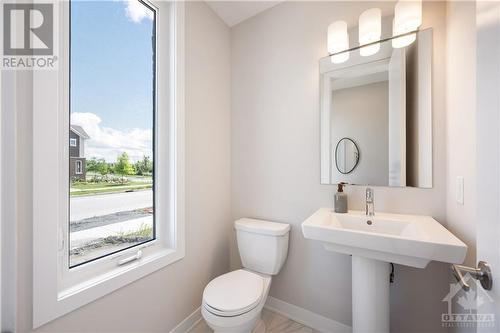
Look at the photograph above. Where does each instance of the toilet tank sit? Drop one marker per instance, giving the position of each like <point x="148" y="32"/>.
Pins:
<point x="263" y="245"/>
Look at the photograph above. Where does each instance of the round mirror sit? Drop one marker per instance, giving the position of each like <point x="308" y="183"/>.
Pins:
<point x="346" y="155"/>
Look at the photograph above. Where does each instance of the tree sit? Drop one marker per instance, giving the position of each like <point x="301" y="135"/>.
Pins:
<point x="102" y="167"/>
<point x="123" y="166"/>
<point x="90" y="165"/>
<point x="144" y="166"/>
<point x="98" y="166"/>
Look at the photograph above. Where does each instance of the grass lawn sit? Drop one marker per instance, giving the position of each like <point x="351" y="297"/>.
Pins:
<point x="79" y="189"/>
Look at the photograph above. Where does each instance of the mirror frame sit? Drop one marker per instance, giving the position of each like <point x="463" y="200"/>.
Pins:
<point x="357" y="155"/>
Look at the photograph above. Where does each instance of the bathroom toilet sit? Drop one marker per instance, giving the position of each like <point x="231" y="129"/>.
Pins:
<point x="233" y="302"/>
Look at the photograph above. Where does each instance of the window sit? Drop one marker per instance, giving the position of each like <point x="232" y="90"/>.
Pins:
<point x="78" y="167"/>
<point x="112" y="208"/>
<point x="111" y="217"/>
<point x="72" y="142"/>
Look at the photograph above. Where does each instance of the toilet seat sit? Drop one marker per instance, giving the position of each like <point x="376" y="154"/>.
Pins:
<point x="234" y="293"/>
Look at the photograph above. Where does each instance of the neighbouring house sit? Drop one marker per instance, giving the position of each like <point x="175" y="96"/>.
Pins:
<point x="77" y="137"/>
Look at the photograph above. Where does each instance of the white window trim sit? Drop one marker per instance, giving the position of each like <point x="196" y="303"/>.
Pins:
<point x="72" y="142"/>
<point x="10" y="94"/>
<point x="1" y="203"/>
<point x="56" y="289"/>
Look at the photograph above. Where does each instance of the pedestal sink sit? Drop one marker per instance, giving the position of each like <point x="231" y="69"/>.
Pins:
<point x="375" y="242"/>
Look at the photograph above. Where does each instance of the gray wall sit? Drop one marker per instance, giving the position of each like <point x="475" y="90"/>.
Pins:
<point x="275" y="158"/>
<point x="161" y="300"/>
<point x="74" y="151"/>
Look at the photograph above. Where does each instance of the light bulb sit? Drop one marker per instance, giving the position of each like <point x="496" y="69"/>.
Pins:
<point x="407" y="18"/>
<point x="340" y="58"/>
<point x="338" y="41"/>
<point x="370" y="30"/>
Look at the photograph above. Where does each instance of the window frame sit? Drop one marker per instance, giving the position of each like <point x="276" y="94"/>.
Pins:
<point x="73" y="142"/>
<point x="57" y="289"/>
<point x="158" y="120"/>
<point x="78" y="170"/>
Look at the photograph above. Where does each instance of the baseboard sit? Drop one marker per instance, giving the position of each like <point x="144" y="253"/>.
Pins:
<point x="293" y="312"/>
<point x="187" y="324"/>
<point x="306" y="317"/>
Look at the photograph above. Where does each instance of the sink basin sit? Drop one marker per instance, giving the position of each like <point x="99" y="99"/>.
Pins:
<point x="374" y="242"/>
<point x="410" y="240"/>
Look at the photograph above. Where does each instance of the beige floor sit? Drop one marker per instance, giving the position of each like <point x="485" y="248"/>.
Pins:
<point x="275" y="323"/>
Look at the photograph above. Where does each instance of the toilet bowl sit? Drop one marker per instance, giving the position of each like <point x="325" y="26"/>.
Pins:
<point x="226" y="309"/>
<point x="233" y="302"/>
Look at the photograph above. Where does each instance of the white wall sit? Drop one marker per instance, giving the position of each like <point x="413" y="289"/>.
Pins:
<point x="488" y="147"/>
<point x="161" y="300"/>
<point x="461" y="128"/>
<point x="276" y="163"/>
<point x="1" y="210"/>
<point x="9" y="193"/>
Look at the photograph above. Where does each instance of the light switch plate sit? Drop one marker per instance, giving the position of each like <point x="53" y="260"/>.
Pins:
<point x="460" y="190"/>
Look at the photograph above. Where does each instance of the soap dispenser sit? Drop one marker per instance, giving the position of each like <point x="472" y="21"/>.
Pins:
<point x="340" y="199"/>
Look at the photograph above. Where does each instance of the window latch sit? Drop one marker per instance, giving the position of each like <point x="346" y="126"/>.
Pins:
<point x="61" y="239"/>
<point x="136" y="256"/>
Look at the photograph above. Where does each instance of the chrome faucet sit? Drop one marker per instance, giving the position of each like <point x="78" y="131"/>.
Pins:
<point x="370" y="205"/>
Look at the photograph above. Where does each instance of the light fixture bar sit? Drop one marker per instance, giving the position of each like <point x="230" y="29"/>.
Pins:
<point x="374" y="42"/>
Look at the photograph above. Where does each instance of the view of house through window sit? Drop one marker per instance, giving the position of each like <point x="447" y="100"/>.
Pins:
<point x="111" y="130"/>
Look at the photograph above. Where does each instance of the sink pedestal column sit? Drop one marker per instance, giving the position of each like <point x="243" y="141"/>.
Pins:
<point x="370" y="295"/>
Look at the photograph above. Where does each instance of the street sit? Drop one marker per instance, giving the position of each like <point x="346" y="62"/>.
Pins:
<point x="104" y="204"/>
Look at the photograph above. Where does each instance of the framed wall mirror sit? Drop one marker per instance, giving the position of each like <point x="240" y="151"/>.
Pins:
<point x="380" y="105"/>
<point x="346" y="156"/>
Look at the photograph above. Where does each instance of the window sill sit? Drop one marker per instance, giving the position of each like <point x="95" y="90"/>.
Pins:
<point x="120" y="276"/>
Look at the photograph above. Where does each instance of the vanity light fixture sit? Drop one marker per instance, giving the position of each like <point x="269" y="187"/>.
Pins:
<point x="407" y="18"/>
<point x="370" y="31"/>
<point x="338" y="41"/>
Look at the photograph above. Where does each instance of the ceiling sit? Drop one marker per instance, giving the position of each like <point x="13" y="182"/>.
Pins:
<point x="234" y="12"/>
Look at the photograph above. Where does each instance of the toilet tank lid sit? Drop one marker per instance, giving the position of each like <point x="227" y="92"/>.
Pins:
<point x="262" y="227"/>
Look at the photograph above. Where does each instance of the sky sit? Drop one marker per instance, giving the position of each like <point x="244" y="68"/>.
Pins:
<point x="111" y="93"/>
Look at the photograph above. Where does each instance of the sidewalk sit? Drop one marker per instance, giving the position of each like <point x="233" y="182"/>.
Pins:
<point x="80" y="238"/>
